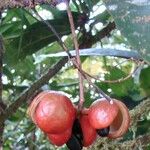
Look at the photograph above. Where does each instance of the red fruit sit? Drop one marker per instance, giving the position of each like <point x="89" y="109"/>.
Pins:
<point x="61" y="138"/>
<point x="89" y="133"/>
<point x="121" y="123"/>
<point x="53" y="112"/>
<point x="102" y="113"/>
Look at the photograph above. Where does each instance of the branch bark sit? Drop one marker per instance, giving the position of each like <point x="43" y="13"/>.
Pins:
<point x="33" y="88"/>
<point x="89" y="39"/>
<point x="25" y="3"/>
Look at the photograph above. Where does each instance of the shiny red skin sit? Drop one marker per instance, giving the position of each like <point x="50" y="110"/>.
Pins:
<point x="102" y="113"/>
<point x="89" y="133"/>
<point x="55" y="113"/>
<point x="61" y="138"/>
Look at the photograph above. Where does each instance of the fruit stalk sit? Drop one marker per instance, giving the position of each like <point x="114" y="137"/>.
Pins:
<point x="81" y="101"/>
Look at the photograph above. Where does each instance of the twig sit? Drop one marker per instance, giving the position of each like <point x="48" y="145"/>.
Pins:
<point x="85" y="76"/>
<point x="99" y="90"/>
<point x="81" y="101"/>
<point x="117" y="80"/>
<point x="90" y="40"/>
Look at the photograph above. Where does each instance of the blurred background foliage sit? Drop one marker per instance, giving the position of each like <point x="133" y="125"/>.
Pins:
<point x="26" y="39"/>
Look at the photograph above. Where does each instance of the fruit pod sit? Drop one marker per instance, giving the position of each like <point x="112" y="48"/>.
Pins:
<point x="89" y="133"/>
<point x="52" y="112"/>
<point x="121" y="123"/>
<point x="102" y="113"/>
<point x="31" y="109"/>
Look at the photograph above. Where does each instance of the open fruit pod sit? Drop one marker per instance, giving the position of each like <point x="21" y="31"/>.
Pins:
<point x="121" y="123"/>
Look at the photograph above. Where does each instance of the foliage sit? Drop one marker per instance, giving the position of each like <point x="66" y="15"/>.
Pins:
<point x="26" y="39"/>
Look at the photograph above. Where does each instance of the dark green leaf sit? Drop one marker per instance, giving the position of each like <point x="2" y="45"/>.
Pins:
<point x="122" y="88"/>
<point x="34" y="38"/>
<point x="102" y="17"/>
<point x="145" y="80"/>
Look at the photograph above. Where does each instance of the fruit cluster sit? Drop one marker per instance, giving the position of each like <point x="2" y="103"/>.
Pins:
<point x="59" y="119"/>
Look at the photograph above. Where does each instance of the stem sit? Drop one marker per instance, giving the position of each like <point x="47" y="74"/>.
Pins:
<point x="85" y="76"/>
<point x="81" y="101"/>
<point x="122" y="79"/>
<point x="98" y="89"/>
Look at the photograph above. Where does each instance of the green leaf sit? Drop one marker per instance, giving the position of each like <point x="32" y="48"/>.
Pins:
<point x="39" y="35"/>
<point x="11" y="30"/>
<point x="20" y="14"/>
<point x="102" y="17"/>
<point x="145" y="80"/>
<point x="34" y="38"/>
<point x="18" y="88"/>
<point x="122" y="88"/>
<point x="133" y="20"/>
<point x="143" y="127"/>
<point x="17" y="116"/>
<point x="88" y="100"/>
<point x="7" y="73"/>
<point x="89" y="4"/>
<point x="57" y="14"/>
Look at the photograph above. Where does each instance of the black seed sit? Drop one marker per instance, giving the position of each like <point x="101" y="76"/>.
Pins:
<point x="103" y="132"/>
<point x="76" y="127"/>
<point x="73" y="143"/>
<point x="77" y="131"/>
